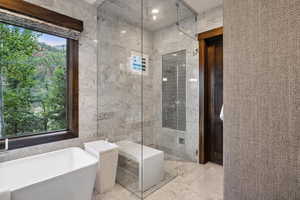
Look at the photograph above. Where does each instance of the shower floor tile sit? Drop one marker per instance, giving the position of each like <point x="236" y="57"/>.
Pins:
<point x="194" y="182"/>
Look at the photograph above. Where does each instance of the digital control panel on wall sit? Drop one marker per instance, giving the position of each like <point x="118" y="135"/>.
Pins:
<point x="138" y="63"/>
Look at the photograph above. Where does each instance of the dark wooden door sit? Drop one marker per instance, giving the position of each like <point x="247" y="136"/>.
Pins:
<point x="215" y="98"/>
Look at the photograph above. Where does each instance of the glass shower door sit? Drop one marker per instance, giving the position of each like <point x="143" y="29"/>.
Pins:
<point x="120" y="67"/>
<point x="144" y="68"/>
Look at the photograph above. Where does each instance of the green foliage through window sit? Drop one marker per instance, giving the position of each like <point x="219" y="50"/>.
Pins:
<point x="33" y="82"/>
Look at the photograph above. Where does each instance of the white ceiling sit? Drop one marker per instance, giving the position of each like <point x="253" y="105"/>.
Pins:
<point x="130" y="10"/>
<point x="201" y="6"/>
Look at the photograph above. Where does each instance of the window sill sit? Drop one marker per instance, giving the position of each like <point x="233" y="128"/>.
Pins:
<point x="32" y="140"/>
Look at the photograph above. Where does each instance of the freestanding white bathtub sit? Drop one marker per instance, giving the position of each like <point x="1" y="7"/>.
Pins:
<point x="67" y="174"/>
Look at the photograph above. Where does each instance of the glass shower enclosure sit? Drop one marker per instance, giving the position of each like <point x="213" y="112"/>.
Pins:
<point x="145" y="56"/>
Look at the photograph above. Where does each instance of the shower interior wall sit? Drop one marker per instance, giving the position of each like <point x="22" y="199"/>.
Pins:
<point x="120" y="90"/>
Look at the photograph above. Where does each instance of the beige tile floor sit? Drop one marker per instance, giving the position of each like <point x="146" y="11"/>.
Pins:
<point x="194" y="182"/>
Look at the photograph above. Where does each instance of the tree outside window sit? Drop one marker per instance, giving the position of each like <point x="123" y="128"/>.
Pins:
<point x="33" y="82"/>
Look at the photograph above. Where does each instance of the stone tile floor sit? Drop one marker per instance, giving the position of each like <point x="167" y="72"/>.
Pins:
<point x="194" y="182"/>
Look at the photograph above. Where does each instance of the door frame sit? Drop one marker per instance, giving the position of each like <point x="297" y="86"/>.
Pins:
<point x="203" y="91"/>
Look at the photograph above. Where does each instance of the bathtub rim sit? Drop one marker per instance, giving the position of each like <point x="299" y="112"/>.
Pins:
<point x="23" y="186"/>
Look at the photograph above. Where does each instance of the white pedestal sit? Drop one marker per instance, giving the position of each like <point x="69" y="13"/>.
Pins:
<point x="107" y="154"/>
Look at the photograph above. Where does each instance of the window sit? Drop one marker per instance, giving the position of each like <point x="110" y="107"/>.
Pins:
<point x="38" y="75"/>
<point x="33" y="82"/>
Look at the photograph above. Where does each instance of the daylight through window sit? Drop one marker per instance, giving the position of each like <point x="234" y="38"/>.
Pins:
<point x="33" y="82"/>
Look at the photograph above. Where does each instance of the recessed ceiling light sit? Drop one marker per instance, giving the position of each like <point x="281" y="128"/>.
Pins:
<point x="155" y="11"/>
<point x="123" y="31"/>
<point x="154" y="17"/>
<point x="174" y="54"/>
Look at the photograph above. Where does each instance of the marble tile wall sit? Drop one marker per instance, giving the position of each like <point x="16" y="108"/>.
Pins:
<point x="210" y="19"/>
<point x="119" y="89"/>
<point x="261" y="99"/>
<point x="87" y="77"/>
<point x="170" y="40"/>
<point x="166" y="41"/>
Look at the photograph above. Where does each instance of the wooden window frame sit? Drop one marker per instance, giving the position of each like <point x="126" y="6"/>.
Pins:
<point x="203" y="91"/>
<point x="28" y="9"/>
